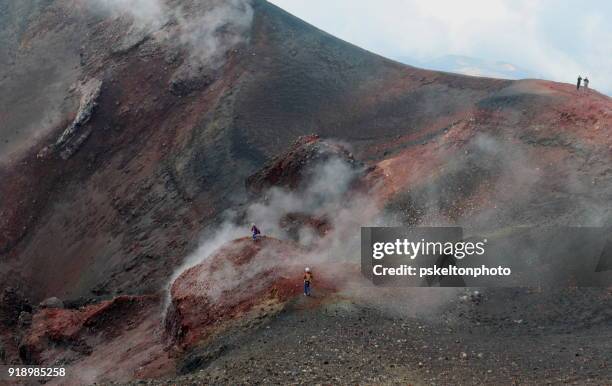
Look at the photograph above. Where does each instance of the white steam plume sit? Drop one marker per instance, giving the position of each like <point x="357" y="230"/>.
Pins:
<point x="327" y="196"/>
<point x="148" y="15"/>
<point x="207" y="30"/>
<point x="211" y="31"/>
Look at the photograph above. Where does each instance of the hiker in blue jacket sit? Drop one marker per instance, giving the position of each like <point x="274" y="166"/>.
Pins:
<point x="255" y="231"/>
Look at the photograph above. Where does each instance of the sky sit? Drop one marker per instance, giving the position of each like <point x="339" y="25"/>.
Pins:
<point x="551" y="39"/>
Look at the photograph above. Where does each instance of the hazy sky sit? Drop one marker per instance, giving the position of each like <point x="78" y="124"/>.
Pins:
<point x="556" y="39"/>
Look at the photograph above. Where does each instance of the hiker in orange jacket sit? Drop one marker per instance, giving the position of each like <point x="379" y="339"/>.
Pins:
<point x="307" y="281"/>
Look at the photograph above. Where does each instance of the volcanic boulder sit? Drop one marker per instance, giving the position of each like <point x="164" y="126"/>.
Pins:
<point x="52" y="302"/>
<point x="294" y="167"/>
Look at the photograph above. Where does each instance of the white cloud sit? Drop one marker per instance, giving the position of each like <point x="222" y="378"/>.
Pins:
<point x="557" y="40"/>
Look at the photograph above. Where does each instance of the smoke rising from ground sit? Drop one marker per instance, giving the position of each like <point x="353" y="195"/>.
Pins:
<point x="328" y="195"/>
<point x="148" y="15"/>
<point x="487" y="186"/>
<point x="205" y="30"/>
<point x="211" y="31"/>
<point x="493" y="188"/>
<point x="324" y="196"/>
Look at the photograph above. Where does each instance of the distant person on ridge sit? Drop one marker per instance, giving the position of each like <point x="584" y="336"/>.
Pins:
<point x="255" y="231"/>
<point x="307" y="281"/>
<point x="578" y="83"/>
<point x="586" y="83"/>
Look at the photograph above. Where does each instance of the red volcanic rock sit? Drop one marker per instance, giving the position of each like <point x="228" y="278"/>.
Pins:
<point x="291" y="168"/>
<point x="65" y="333"/>
<point x="242" y="280"/>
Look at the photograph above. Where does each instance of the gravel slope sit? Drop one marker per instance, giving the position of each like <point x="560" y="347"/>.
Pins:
<point x="472" y="341"/>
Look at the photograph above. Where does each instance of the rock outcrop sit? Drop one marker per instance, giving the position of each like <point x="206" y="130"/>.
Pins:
<point x="52" y="302"/>
<point x="242" y="281"/>
<point x="76" y="133"/>
<point x="293" y="168"/>
<point x="58" y="334"/>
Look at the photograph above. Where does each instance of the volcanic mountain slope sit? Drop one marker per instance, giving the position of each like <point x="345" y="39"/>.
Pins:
<point x="150" y="160"/>
<point x="123" y="135"/>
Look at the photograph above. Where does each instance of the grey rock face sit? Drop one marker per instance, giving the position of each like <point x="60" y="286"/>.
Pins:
<point x="52" y="302"/>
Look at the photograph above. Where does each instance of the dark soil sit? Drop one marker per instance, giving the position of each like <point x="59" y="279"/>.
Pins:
<point x="495" y="338"/>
